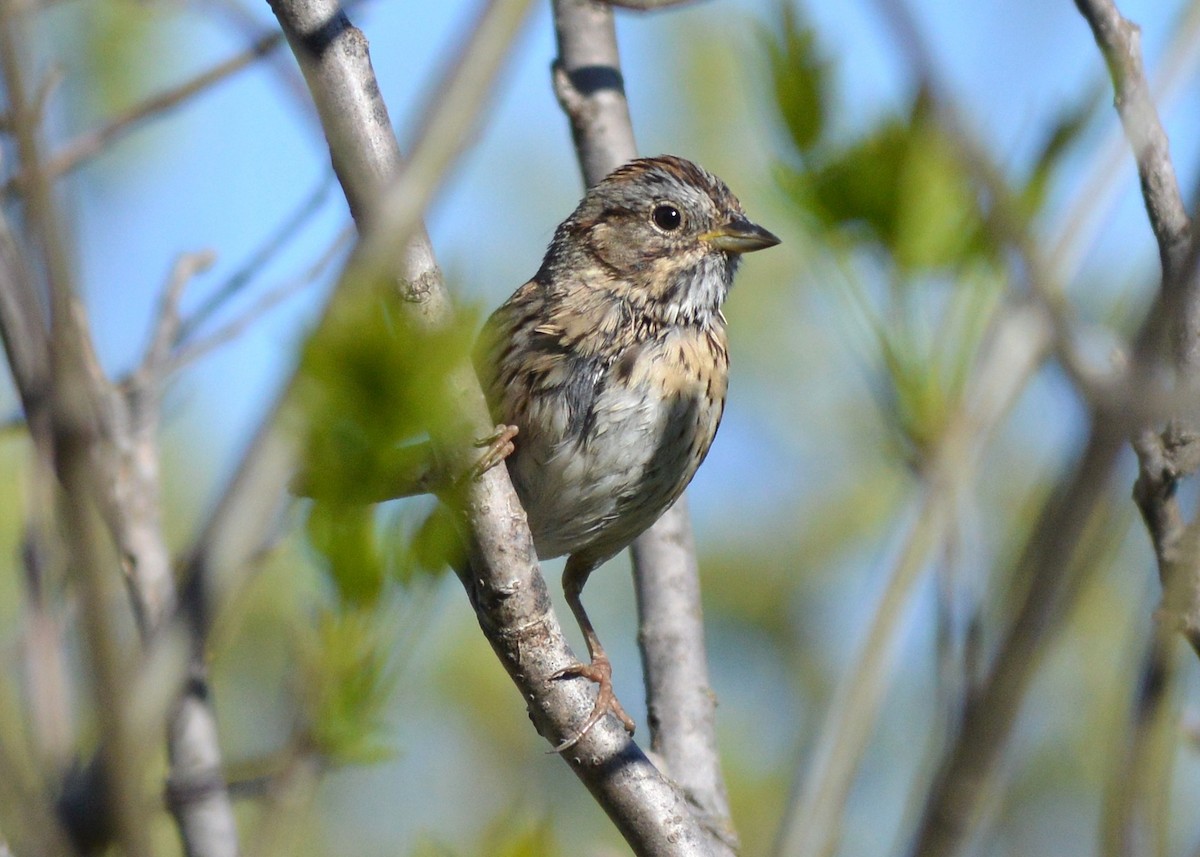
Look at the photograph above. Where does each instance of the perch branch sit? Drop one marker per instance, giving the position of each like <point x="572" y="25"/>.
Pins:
<point x="506" y="588"/>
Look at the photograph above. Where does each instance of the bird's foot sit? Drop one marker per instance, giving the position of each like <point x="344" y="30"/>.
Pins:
<point x="496" y="447"/>
<point x="600" y="672"/>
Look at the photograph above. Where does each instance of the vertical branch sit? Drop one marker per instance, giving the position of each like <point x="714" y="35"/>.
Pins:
<point x="1136" y="815"/>
<point x="591" y="88"/>
<point x="102" y="447"/>
<point x="681" y="704"/>
<point x="1165" y="456"/>
<point x="65" y="413"/>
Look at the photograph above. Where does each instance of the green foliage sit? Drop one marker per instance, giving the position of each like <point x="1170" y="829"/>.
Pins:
<point x="345" y="536"/>
<point x="904" y="198"/>
<point x="372" y="386"/>
<point x="1061" y="136"/>
<point x="799" y="75"/>
<point x="532" y="840"/>
<point x="345" y="686"/>
<point x="373" y="382"/>
<point x="927" y="348"/>
<point x="901" y="189"/>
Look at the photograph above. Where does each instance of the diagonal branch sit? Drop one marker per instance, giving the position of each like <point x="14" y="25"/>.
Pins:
<point x="268" y="250"/>
<point x="1164" y="457"/>
<point x="86" y="147"/>
<point x="239" y="324"/>
<point x="1014" y="350"/>
<point x="506" y="585"/>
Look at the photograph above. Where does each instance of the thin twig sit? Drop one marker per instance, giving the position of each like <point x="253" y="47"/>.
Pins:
<point x="234" y="328"/>
<point x="246" y="22"/>
<point x="87" y="146"/>
<point x="1094" y="201"/>
<point x="1119" y="41"/>
<point x="268" y="250"/>
<point x="1015" y="348"/>
<point x="646" y="5"/>
<point x="1136" y="814"/>
<point x="1165" y="457"/>
<point x="166" y="330"/>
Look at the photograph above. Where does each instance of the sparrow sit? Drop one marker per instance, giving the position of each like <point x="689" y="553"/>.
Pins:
<point x="611" y="368"/>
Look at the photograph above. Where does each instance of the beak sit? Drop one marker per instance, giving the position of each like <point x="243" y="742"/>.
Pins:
<point x="739" y="236"/>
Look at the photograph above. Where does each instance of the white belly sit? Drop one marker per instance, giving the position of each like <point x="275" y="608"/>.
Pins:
<point x="601" y="489"/>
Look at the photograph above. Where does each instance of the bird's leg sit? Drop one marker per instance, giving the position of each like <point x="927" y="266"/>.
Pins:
<point x="575" y="575"/>
<point x="497" y="446"/>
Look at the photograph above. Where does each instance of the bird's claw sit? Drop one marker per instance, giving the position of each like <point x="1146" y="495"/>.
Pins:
<point x="497" y="446"/>
<point x="600" y="672"/>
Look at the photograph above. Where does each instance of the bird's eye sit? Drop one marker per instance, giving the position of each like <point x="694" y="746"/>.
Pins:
<point x="666" y="217"/>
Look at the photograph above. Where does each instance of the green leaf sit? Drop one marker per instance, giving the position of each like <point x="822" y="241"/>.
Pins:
<point x="372" y="386"/>
<point x="346" y="687"/>
<point x="856" y="189"/>
<point x="799" y="74"/>
<point x="903" y="188"/>
<point x="345" y="537"/>
<point x="938" y="223"/>
<point x="1066" y="130"/>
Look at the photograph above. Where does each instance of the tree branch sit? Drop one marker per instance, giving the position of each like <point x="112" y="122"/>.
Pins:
<point x="102" y="446"/>
<point x="1016" y="346"/>
<point x="646" y="5"/>
<point x="1166" y="457"/>
<point x="1119" y="41"/>
<point x="1136" y="814"/>
<point x="81" y="150"/>
<point x="591" y="88"/>
<point x="506" y="585"/>
<point x="955" y="802"/>
<point x="236" y="326"/>
<point x="269" y="249"/>
<point x="954" y="806"/>
<point x="681" y="704"/>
